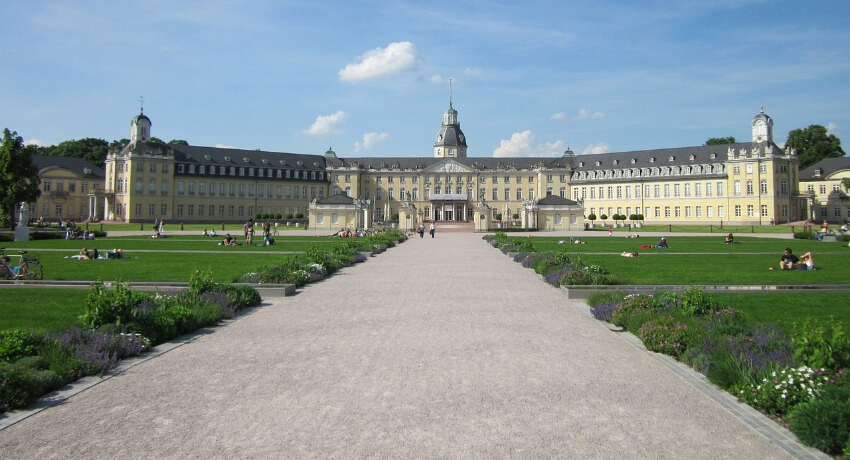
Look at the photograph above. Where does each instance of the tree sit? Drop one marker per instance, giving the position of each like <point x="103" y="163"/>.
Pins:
<point x="18" y="177"/>
<point x="90" y="149"/>
<point x="721" y="140"/>
<point x="814" y="144"/>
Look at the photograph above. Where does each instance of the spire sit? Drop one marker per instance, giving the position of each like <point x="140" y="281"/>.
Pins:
<point x="141" y="104"/>
<point x="450" y="92"/>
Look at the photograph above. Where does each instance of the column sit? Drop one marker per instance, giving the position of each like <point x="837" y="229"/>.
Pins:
<point x="464" y="211"/>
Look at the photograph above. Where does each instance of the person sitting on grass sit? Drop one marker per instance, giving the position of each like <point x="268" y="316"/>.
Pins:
<point x="662" y="243"/>
<point x="629" y="254"/>
<point x="115" y="254"/>
<point x="94" y="254"/>
<point x="213" y="233"/>
<point x="730" y="239"/>
<point x="788" y="260"/>
<point x="228" y="241"/>
<point x="206" y="233"/>
<point x="807" y="262"/>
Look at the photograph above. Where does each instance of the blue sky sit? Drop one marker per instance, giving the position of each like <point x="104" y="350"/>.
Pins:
<point x="371" y="78"/>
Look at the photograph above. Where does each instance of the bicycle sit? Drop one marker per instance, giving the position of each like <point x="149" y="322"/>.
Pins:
<point x="28" y="268"/>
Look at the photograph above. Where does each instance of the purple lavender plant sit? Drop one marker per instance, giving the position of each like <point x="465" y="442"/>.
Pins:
<point x="222" y="299"/>
<point x="761" y="346"/>
<point x="360" y="257"/>
<point x="603" y="311"/>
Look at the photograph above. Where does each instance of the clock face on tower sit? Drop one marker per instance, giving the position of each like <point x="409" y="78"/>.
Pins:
<point x="760" y="131"/>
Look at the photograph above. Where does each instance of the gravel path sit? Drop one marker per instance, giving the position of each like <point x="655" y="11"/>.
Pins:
<point x="415" y="353"/>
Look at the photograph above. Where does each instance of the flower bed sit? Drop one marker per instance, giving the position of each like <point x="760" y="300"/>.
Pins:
<point x="776" y="372"/>
<point x="118" y="324"/>
<point x="320" y="261"/>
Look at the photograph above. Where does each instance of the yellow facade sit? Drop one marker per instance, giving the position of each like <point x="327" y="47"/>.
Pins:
<point x="71" y="190"/>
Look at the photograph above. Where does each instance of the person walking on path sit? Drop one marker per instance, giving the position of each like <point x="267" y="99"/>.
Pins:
<point x="421" y="231"/>
<point x="432" y="230"/>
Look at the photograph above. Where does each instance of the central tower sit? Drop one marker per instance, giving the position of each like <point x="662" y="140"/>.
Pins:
<point x="450" y="142"/>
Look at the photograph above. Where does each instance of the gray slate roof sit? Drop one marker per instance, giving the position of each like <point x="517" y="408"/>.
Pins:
<point x="829" y="166"/>
<point x="556" y="200"/>
<point x="77" y="165"/>
<point x="252" y="158"/>
<point x="336" y="199"/>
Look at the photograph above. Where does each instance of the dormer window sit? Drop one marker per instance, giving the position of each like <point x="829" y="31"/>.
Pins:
<point x="226" y="158"/>
<point x="692" y="158"/>
<point x="634" y="160"/>
<point x="598" y="163"/>
<point x="652" y="159"/>
<point x="180" y="168"/>
<point x="265" y="162"/>
<point x="616" y="162"/>
<point x="671" y="158"/>
<point x="283" y="162"/>
<point x="207" y="157"/>
<point x="86" y="170"/>
<point x="581" y="164"/>
<point x="246" y="160"/>
<point x="299" y="163"/>
<point x="713" y="156"/>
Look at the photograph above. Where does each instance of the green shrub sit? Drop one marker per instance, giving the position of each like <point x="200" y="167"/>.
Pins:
<point x="34" y="362"/>
<point x="728" y="371"/>
<point x="666" y="335"/>
<point x="824" y="422"/>
<point x="629" y="306"/>
<point x="817" y="345"/>
<point x="34" y="236"/>
<point x="157" y="325"/>
<point x="62" y="361"/>
<point x="697" y="303"/>
<point x="805" y="235"/>
<point x="110" y="307"/>
<point x="200" y="281"/>
<point x="24" y="384"/>
<point x="599" y="297"/>
<point x="184" y="319"/>
<point x="15" y="344"/>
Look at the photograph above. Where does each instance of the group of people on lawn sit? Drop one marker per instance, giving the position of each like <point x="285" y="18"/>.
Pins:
<point x="248" y="230"/>
<point x="94" y="254"/>
<point x="789" y="261"/>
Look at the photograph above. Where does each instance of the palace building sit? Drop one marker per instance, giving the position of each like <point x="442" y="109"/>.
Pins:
<point x="751" y="183"/>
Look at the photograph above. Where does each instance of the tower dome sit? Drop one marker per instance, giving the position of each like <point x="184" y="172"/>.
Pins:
<point x="140" y="128"/>
<point x="450" y="141"/>
<point x="762" y="128"/>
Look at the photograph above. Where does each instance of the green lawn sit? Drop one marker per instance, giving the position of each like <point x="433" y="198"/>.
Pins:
<point x="40" y="310"/>
<point x="787" y="308"/>
<point x="162" y="259"/>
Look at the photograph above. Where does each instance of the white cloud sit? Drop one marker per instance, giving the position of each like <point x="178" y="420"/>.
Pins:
<point x="326" y="124"/>
<point x="473" y="71"/>
<point x="593" y="149"/>
<point x="522" y="144"/>
<point x="35" y="142"/>
<point x="369" y="140"/>
<point x="583" y="114"/>
<point x="830" y="127"/>
<point x="436" y="78"/>
<point x="394" y="59"/>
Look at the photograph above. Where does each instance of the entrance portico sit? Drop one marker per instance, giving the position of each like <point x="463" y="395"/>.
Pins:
<point x="449" y="206"/>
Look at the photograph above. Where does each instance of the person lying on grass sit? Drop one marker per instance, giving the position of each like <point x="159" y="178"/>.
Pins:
<point x="662" y="243"/>
<point x="807" y="262"/>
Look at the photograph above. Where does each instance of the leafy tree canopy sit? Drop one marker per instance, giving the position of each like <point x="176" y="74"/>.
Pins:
<point x="814" y="144"/>
<point x="721" y="140"/>
<point x="18" y="177"/>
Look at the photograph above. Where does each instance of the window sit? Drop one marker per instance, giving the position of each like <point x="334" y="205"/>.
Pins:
<point x="720" y="189"/>
<point x="507" y="193"/>
<point x="666" y="190"/>
<point x="687" y="211"/>
<point x="191" y="210"/>
<point x="138" y="186"/>
<point x="191" y="188"/>
<point x="749" y="186"/>
<point x="666" y="211"/>
<point x="163" y="209"/>
<point x="763" y="187"/>
<point x="720" y="212"/>
<point x="563" y="192"/>
<point x="677" y="190"/>
<point x="699" y="211"/>
<point x="750" y="210"/>
<point x="764" y="210"/>
<point x="708" y="189"/>
<point x="657" y="211"/>
<point x="822" y="189"/>
<point x="697" y="189"/>
<point x="179" y="209"/>
<point x="619" y="191"/>
<point x="737" y="210"/>
<point x="151" y="209"/>
<point x="749" y="168"/>
<point x="687" y="189"/>
<point x="320" y="218"/>
<point x="519" y="194"/>
<point x="152" y="186"/>
<point x="390" y="192"/>
<point x="709" y="211"/>
<point x="677" y="211"/>
<point x="736" y="170"/>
